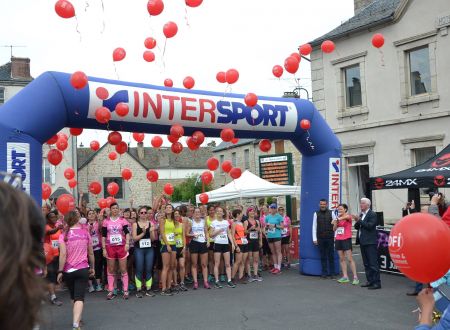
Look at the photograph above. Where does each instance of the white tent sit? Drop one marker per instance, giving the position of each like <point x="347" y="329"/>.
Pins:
<point x="249" y="185"/>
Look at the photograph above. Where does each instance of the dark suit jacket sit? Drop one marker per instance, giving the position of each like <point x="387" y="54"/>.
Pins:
<point x="368" y="229"/>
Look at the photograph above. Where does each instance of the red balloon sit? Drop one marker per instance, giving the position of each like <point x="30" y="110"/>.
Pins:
<point x="207" y="177"/>
<point x="297" y="56"/>
<point x="170" y="29"/>
<point x="291" y="64"/>
<point x="251" y="100"/>
<point x="76" y="131"/>
<point x="177" y="130"/>
<point x="95" y="187"/>
<point x="102" y="93"/>
<point x="150" y="43"/>
<point x="235" y="173"/>
<point x="155" y="7"/>
<point x="227" y="134"/>
<point x="46" y="191"/>
<point x="62" y="144"/>
<point x="112" y="188"/>
<point x="62" y="135"/>
<point x="232" y="76"/>
<point x="156" y="141"/>
<point x="102" y="203"/>
<point x="193" y="3"/>
<point x="127" y="174"/>
<point x="220" y="76"/>
<point x="64" y="9"/>
<point x="112" y="155"/>
<point x="121" y="147"/>
<point x="305" y="49"/>
<point x="78" y="80"/>
<point x="172" y="139"/>
<point x="110" y="200"/>
<point x="168" y="189"/>
<point x="139" y="137"/>
<point x="122" y="109"/>
<point x="119" y="54"/>
<point x="198" y="137"/>
<point x="54" y="156"/>
<point x="227" y="166"/>
<point x="234" y="140"/>
<point x="168" y="82"/>
<point x="419" y="247"/>
<point x="65" y="203"/>
<point x="204" y="198"/>
<point x="102" y="115"/>
<point x="176" y="147"/>
<point x="212" y="164"/>
<point x="149" y="56"/>
<point x="191" y="144"/>
<point x="188" y="82"/>
<point x="69" y="173"/>
<point x="114" y="138"/>
<point x="152" y="176"/>
<point x="305" y="124"/>
<point x="52" y="140"/>
<point x="277" y="71"/>
<point x="73" y="183"/>
<point x="265" y="145"/>
<point x="94" y="145"/>
<point x="378" y="40"/>
<point x="327" y="46"/>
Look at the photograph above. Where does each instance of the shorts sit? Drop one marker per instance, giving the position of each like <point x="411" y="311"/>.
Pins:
<point x="52" y="270"/>
<point x="197" y="247"/>
<point x="221" y="248"/>
<point x="164" y="248"/>
<point x="77" y="283"/>
<point x="266" y="247"/>
<point x="253" y="245"/>
<point x="180" y="253"/>
<point x="285" y="240"/>
<point x="343" y="245"/>
<point x="211" y="246"/>
<point x="273" y="240"/>
<point x="243" y="248"/>
<point x="116" y="252"/>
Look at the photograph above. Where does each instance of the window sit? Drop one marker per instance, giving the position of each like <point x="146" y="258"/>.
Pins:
<point x="353" y="95"/>
<point x="246" y="159"/>
<point x="222" y="159"/>
<point x="119" y="181"/>
<point x="233" y="159"/>
<point x="421" y="155"/>
<point x="48" y="172"/>
<point x="2" y="95"/>
<point x="419" y="71"/>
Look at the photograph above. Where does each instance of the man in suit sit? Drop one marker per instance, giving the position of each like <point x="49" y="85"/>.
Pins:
<point x="366" y="223"/>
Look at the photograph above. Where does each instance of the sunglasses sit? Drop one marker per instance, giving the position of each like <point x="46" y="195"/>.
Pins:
<point x="143" y="213"/>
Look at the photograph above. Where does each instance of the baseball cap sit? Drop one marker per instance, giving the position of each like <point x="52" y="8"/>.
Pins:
<point x="273" y="206"/>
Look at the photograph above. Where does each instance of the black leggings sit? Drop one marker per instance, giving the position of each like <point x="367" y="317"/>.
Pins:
<point x="99" y="262"/>
<point x="77" y="283"/>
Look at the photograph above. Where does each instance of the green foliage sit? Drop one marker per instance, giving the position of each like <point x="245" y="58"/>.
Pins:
<point x="269" y="200"/>
<point x="187" y="190"/>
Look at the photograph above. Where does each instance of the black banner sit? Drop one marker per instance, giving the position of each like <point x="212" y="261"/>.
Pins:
<point x="384" y="259"/>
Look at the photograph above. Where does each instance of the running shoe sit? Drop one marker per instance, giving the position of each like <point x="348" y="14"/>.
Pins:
<point x="195" y="285"/>
<point x="273" y="270"/>
<point x="355" y="281"/>
<point x="111" y="295"/>
<point x="91" y="289"/>
<point x="243" y="281"/>
<point x="222" y="278"/>
<point x="166" y="293"/>
<point x="56" y="301"/>
<point x="343" y="280"/>
<point x="175" y="289"/>
<point x="206" y="285"/>
<point x="210" y="278"/>
<point x="288" y="266"/>
<point x="189" y="280"/>
<point x="276" y="272"/>
<point x="139" y="294"/>
<point x="258" y="278"/>
<point x="217" y="285"/>
<point x="131" y="287"/>
<point x="231" y="284"/>
<point x="149" y="293"/>
<point x="99" y="288"/>
<point x="251" y="279"/>
<point x="126" y="295"/>
<point x="182" y="287"/>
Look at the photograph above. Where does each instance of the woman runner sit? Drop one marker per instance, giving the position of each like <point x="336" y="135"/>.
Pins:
<point x="115" y="244"/>
<point x="181" y="250"/>
<point x="274" y="226"/>
<point x="168" y="249"/>
<point x="253" y="228"/>
<point x="285" y="238"/>
<point x="239" y="234"/>
<point x="94" y="227"/>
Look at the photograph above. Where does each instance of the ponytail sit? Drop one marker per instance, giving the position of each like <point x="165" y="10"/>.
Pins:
<point x="71" y="220"/>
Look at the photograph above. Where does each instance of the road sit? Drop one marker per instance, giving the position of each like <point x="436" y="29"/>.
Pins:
<point x="288" y="301"/>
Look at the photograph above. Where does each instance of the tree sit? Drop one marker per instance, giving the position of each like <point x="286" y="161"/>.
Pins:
<point x="187" y="190"/>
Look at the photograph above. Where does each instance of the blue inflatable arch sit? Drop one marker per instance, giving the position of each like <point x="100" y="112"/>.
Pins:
<point x="50" y="103"/>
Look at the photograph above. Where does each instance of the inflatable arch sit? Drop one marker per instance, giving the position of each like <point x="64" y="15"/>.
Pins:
<point x="50" y="103"/>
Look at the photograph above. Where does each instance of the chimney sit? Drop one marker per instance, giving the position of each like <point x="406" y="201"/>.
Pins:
<point x="140" y="150"/>
<point x="20" y="68"/>
<point x="361" y="4"/>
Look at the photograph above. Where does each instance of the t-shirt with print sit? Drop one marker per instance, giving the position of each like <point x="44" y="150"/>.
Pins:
<point x="115" y="234"/>
<point x="275" y="220"/>
<point x="77" y="248"/>
<point x="344" y="229"/>
<point x="222" y="236"/>
<point x="287" y="224"/>
<point x="94" y="230"/>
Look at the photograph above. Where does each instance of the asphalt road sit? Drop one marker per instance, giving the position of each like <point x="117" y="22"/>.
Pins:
<point x="287" y="301"/>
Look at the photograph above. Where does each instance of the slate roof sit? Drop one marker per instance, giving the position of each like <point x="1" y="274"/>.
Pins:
<point x="378" y="12"/>
<point x="5" y="75"/>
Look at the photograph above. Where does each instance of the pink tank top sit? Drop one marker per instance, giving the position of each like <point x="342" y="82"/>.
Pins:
<point x="95" y="235"/>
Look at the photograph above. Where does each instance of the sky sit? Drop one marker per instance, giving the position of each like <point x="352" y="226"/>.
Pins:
<point x="249" y="35"/>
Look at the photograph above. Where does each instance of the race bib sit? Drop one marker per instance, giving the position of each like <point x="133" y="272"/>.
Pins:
<point x="253" y="235"/>
<point x="222" y="239"/>
<point x="170" y="237"/>
<point x="179" y="242"/>
<point x="145" y="243"/>
<point x="284" y="231"/>
<point x="200" y="237"/>
<point x="271" y="231"/>
<point x="340" y="231"/>
<point x="244" y="240"/>
<point x="55" y="244"/>
<point x="115" y="239"/>
<point x="95" y="241"/>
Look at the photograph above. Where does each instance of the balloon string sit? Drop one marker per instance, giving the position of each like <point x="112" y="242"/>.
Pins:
<point x="382" y="57"/>
<point x="76" y="27"/>
<point x="186" y="17"/>
<point x="103" y="18"/>
<point x="115" y="70"/>
<point x="87" y="6"/>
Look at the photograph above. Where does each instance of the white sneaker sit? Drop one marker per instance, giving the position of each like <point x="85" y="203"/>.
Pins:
<point x="91" y="289"/>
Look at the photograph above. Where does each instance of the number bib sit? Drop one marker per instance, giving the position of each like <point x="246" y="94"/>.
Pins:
<point x="179" y="242"/>
<point x="340" y="231"/>
<point x="271" y="231"/>
<point x="221" y="239"/>
<point x="200" y="237"/>
<point x="115" y="239"/>
<point x="244" y="240"/>
<point x="253" y="235"/>
<point x="170" y="237"/>
<point x="145" y="243"/>
<point x="55" y="244"/>
<point x="284" y="231"/>
<point x="95" y="241"/>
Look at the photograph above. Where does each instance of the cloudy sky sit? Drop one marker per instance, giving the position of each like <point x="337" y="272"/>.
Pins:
<point x="249" y="35"/>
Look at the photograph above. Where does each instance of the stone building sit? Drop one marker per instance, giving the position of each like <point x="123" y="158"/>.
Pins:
<point x="96" y="166"/>
<point x="390" y="106"/>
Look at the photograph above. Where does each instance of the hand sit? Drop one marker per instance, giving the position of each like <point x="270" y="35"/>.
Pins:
<point x="59" y="278"/>
<point x="127" y="247"/>
<point x="104" y="253"/>
<point x="315" y="242"/>
<point x="169" y="249"/>
<point x="435" y="199"/>
<point x="413" y="204"/>
<point x="91" y="272"/>
<point x="207" y="245"/>
<point x="425" y="300"/>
